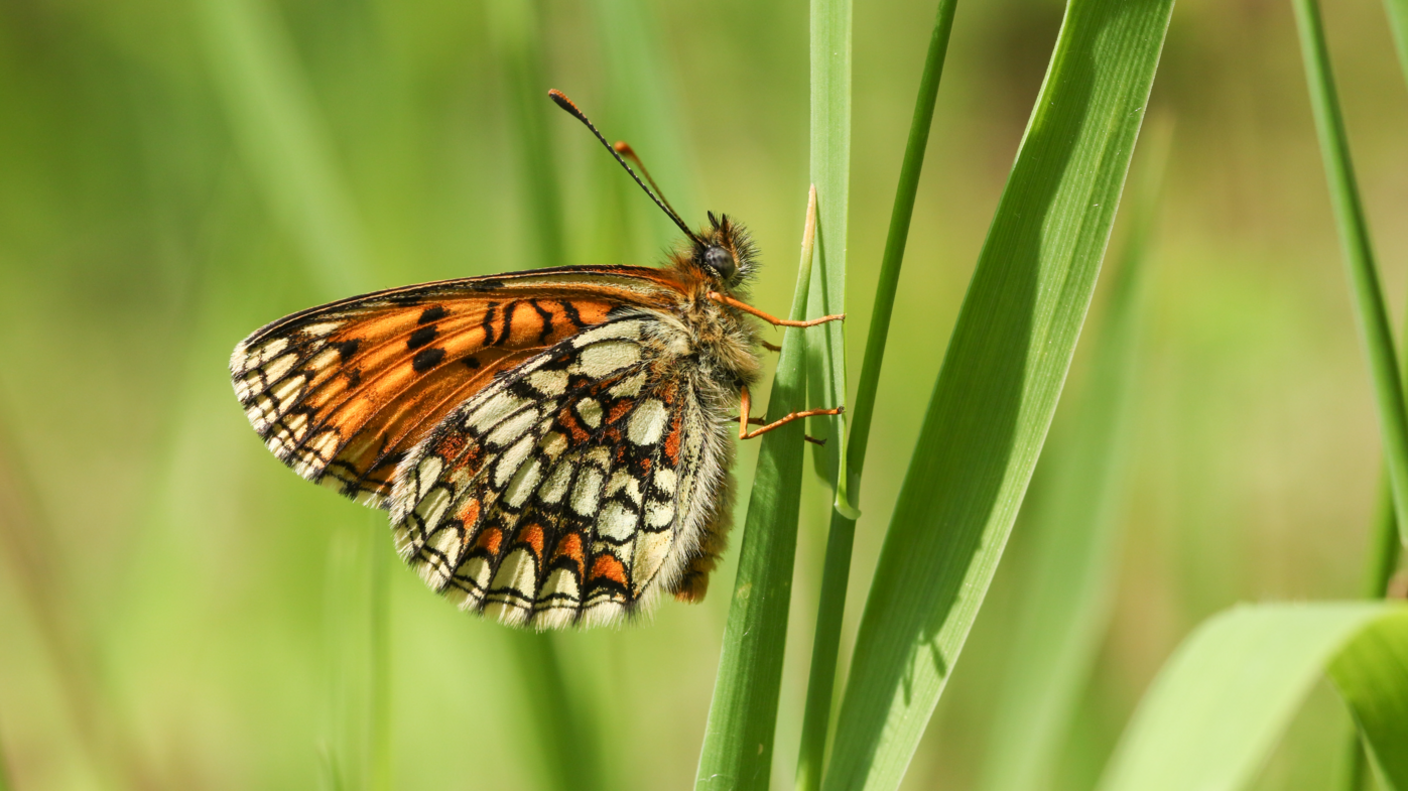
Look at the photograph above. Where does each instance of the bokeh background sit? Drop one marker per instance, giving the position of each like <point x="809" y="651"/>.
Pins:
<point x="177" y="610"/>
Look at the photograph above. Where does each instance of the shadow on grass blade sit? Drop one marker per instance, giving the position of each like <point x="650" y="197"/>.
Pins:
<point x="1068" y="591"/>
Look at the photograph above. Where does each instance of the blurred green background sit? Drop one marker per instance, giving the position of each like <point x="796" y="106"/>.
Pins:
<point x="177" y="610"/>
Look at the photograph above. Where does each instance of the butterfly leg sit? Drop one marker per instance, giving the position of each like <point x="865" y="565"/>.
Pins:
<point x="757" y="421"/>
<point x="772" y="347"/>
<point x="745" y="404"/>
<point x="725" y="299"/>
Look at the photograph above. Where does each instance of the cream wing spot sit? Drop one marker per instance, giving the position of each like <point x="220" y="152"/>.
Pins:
<point x="622" y="481"/>
<point x="518" y="575"/>
<point x="431" y="508"/>
<point x="589" y="410"/>
<point x="650" y="552"/>
<point x="513" y="428"/>
<point x="475" y="572"/>
<point x="496" y="408"/>
<point x="523" y="484"/>
<point x="647" y="422"/>
<point x="665" y="480"/>
<point x="556" y="485"/>
<point x="616" y="329"/>
<point x="587" y="493"/>
<point x="560" y="585"/>
<point x="427" y="472"/>
<point x="629" y="387"/>
<point x="511" y="460"/>
<point x="603" y="359"/>
<point x="616" y="522"/>
<point x="659" y="514"/>
<point x="549" y="383"/>
<point x="321" y="329"/>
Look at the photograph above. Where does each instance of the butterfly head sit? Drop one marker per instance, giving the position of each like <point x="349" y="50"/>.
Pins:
<point x="724" y="252"/>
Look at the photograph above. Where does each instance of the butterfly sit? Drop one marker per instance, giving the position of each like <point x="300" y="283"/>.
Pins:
<point x="554" y="446"/>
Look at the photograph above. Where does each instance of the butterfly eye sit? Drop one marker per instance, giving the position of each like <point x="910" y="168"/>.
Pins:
<point x="717" y="260"/>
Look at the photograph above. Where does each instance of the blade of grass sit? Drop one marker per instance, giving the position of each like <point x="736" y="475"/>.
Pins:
<point x="830" y="167"/>
<point x="1002" y="375"/>
<point x="277" y="126"/>
<point x="1214" y="712"/>
<point x="738" y="737"/>
<point x="1397" y="11"/>
<point x="841" y="538"/>
<point x="516" y="31"/>
<point x="1066" y="603"/>
<point x="1370" y="675"/>
<point x="1370" y="312"/>
<point x="569" y="748"/>
<point x="379" y="632"/>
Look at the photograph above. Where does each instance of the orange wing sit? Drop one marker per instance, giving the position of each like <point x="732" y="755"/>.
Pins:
<point x="341" y="392"/>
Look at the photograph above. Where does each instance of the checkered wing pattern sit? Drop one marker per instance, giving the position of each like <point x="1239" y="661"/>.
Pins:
<point x="569" y="491"/>
<point x="342" y="392"/>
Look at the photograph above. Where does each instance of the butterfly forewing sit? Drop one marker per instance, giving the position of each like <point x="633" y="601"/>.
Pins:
<point x="567" y="490"/>
<point x="340" y="393"/>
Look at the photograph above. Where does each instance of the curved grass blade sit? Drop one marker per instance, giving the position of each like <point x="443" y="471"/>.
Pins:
<point x="738" y="738"/>
<point x="1065" y="605"/>
<point x="1213" y="714"/>
<point x="1370" y="312"/>
<point x="837" y="567"/>
<point x="1002" y="375"/>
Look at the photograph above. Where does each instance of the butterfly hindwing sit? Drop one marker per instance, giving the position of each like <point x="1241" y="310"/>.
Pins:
<point x="567" y="490"/>
<point x="342" y="392"/>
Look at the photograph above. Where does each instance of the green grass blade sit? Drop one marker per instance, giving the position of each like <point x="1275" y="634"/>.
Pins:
<point x="278" y="128"/>
<point x="841" y="538"/>
<point x="1002" y="375"/>
<point x="863" y="408"/>
<point x="1214" y="712"/>
<point x="1371" y="674"/>
<point x="1398" y="23"/>
<point x="1070" y="586"/>
<point x="1369" y="308"/>
<point x="379" y="629"/>
<point x="569" y="749"/>
<point x="830" y="167"/>
<point x="738" y="737"/>
<point x="516" y="32"/>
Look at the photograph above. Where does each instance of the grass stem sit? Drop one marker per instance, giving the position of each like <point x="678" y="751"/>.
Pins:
<point x="738" y="737"/>
<point x="1365" y="291"/>
<point x="569" y="750"/>
<point x="379" y="727"/>
<point x="841" y="537"/>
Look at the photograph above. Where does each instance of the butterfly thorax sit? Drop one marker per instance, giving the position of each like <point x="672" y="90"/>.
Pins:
<point x="721" y="337"/>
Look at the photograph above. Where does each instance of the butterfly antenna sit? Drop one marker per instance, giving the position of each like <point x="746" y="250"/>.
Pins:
<point x="624" y="149"/>
<point x="565" y="103"/>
